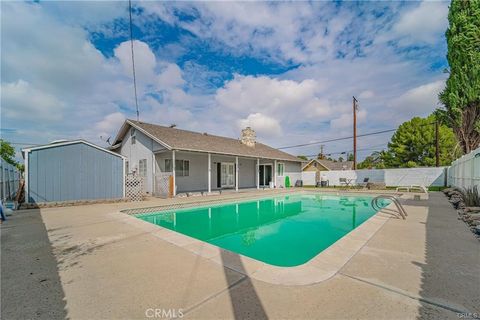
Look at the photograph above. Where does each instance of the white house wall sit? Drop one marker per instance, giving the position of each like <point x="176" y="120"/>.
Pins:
<point x="291" y="169"/>
<point x="198" y="170"/>
<point x="142" y="149"/>
<point x="155" y="154"/>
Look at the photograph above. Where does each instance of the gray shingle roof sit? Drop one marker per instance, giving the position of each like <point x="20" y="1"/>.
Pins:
<point x="179" y="139"/>
<point x="331" y="165"/>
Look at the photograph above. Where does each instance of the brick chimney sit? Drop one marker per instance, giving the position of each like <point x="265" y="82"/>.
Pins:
<point x="248" y="137"/>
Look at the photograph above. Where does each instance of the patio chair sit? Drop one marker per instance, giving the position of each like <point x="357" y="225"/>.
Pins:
<point x="364" y="184"/>
<point x="298" y="183"/>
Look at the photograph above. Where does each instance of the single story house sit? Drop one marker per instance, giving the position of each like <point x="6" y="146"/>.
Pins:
<point x="201" y="161"/>
<point x="72" y="170"/>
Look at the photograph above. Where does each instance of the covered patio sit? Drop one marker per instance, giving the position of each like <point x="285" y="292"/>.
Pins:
<point x="207" y="172"/>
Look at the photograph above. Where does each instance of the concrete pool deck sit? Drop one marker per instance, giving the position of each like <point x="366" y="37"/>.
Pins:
<point x="85" y="262"/>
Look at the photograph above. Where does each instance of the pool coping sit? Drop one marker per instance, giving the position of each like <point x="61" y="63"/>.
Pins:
<point x="320" y="268"/>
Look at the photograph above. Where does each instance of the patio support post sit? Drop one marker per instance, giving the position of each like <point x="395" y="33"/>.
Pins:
<point x="209" y="173"/>
<point x="173" y="174"/>
<point x="236" y="173"/>
<point x="258" y="173"/>
<point x="274" y="173"/>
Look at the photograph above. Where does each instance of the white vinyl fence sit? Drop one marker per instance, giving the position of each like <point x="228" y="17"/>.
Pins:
<point x="9" y="180"/>
<point x="391" y="177"/>
<point x="465" y="171"/>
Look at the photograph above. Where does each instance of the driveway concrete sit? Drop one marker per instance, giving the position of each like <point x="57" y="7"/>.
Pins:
<point x="89" y="262"/>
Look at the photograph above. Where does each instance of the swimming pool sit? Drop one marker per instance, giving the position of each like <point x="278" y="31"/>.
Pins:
<point x="286" y="230"/>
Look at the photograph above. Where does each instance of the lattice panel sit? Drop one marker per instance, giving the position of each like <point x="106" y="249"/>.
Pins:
<point x="134" y="187"/>
<point x="162" y="184"/>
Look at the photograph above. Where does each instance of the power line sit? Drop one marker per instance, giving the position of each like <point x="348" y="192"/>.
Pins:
<point x="337" y="139"/>
<point x="348" y="151"/>
<point x="133" y="58"/>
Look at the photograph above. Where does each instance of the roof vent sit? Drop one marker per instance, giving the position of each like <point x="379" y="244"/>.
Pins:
<point x="58" y="141"/>
<point x="173" y="125"/>
<point x="248" y="137"/>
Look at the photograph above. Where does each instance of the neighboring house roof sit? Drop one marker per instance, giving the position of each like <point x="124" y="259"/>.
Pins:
<point x="332" y="165"/>
<point x="184" y="140"/>
<point x="65" y="143"/>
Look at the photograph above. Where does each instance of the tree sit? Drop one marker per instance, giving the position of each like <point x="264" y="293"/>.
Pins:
<point x="413" y="144"/>
<point x="374" y="161"/>
<point x="7" y="151"/>
<point x="350" y="157"/>
<point x="461" y="96"/>
<point x="302" y="157"/>
<point x="340" y="159"/>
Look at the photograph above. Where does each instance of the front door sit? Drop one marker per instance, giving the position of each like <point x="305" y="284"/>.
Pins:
<point x="228" y="175"/>
<point x="265" y="174"/>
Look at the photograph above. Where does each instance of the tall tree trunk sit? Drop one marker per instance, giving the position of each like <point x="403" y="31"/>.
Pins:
<point x="468" y="133"/>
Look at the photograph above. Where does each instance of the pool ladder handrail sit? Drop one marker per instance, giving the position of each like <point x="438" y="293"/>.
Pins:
<point x="400" y="208"/>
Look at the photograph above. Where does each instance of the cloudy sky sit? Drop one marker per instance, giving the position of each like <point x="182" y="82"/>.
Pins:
<point x="289" y="70"/>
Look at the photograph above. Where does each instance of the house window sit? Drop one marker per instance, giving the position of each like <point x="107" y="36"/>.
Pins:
<point x="280" y="169"/>
<point x="142" y="167"/>
<point x="182" y="167"/>
<point x="133" y="135"/>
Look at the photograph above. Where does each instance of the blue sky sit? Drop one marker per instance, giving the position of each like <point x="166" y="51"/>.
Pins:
<point x="288" y="69"/>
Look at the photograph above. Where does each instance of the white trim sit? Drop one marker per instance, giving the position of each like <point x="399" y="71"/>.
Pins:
<point x="54" y="145"/>
<point x="283" y="171"/>
<point x="258" y="173"/>
<point x="124" y="173"/>
<point x="236" y="173"/>
<point x="151" y="136"/>
<point x="27" y="195"/>
<point x="275" y="173"/>
<point x="309" y="162"/>
<point x="209" y="173"/>
<point x="230" y="164"/>
<point x="173" y="174"/>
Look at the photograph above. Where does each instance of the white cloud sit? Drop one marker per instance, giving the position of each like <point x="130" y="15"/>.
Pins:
<point x="20" y="101"/>
<point x="423" y="23"/>
<point x="262" y="124"/>
<point x="367" y="94"/>
<point x="111" y="123"/>
<point x="346" y="120"/>
<point x="420" y="101"/>
<point x="171" y="76"/>
<point x="246" y="94"/>
<point x="145" y="61"/>
<point x="340" y="55"/>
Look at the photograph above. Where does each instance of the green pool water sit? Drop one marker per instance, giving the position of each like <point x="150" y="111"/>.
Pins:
<point x="283" y="231"/>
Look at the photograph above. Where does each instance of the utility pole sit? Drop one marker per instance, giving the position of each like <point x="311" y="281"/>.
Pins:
<point x="355" y="133"/>
<point x="437" y="145"/>
<point x="321" y="151"/>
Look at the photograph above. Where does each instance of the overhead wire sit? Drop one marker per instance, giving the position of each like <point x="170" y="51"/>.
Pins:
<point x="133" y="59"/>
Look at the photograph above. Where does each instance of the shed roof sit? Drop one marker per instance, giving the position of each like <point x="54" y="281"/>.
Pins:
<point x="65" y="143"/>
<point x="178" y="139"/>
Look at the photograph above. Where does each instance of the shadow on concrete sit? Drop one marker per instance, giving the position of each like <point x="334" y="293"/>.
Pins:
<point x="31" y="287"/>
<point x="450" y="276"/>
<point x="246" y="303"/>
